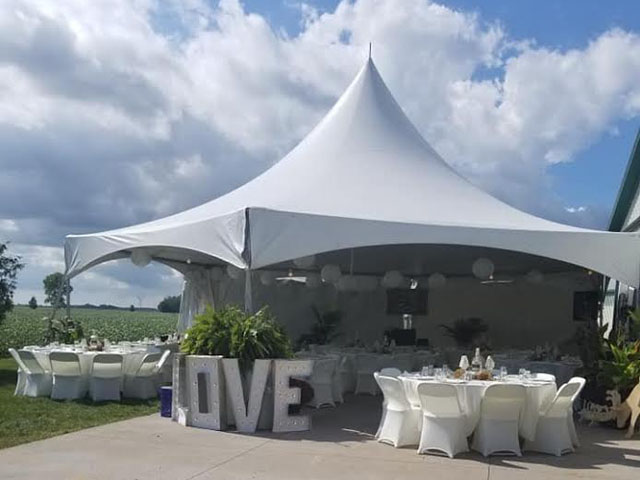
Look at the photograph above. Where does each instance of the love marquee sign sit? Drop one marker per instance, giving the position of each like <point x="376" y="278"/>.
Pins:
<point x="208" y="392"/>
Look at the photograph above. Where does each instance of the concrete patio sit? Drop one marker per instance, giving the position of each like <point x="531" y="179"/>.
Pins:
<point x="340" y="447"/>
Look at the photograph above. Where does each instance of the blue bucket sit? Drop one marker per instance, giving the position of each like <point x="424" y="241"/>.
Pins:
<point x="165" y="401"/>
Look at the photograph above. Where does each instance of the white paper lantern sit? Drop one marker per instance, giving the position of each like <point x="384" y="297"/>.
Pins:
<point x="234" y="272"/>
<point x="216" y="274"/>
<point x="330" y="273"/>
<point x="483" y="268"/>
<point x="535" y="276"/>
<point x="267" y="278"/>
<point x="392" y="279"/>
<point x="313" y="280"/>
<point x="305" y="262"/>
<point x="140" y="258"/>
<point x="436" y="280"/>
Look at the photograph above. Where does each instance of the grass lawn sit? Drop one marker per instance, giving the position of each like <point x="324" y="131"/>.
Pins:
<point x="25" y="419"/>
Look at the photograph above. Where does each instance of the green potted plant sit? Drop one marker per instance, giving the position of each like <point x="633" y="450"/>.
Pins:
<point x="609" y="364"/>
<point x="238" y="336"/>
<point x="232" y="333"/>
<point x="465" y="331"/>
<point x="323" y="331"/>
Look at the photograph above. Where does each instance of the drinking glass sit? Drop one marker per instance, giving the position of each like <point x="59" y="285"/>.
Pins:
<point x="521" y="373"/>
<point x="503" y="373"/>
<point x="439" y="374"/>
<point x="464" y="363"/>
<point x="445" y="370"/>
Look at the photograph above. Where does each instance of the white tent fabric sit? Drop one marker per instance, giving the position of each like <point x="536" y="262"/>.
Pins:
<point x="363" y="177"/>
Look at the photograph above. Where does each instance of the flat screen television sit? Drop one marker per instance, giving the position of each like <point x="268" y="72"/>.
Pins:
<point x="402" y="301"/>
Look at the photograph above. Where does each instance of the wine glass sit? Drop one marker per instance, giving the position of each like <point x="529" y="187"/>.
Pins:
<point x="464" y="362"/>
<point x="489" y="364"/>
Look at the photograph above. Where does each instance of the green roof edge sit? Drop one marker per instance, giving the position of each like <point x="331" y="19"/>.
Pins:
<point x="628" y="188"/>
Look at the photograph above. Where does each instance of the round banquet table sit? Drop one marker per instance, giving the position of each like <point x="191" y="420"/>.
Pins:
<point x="131" y="359"/>
<point x="538" y="396"/>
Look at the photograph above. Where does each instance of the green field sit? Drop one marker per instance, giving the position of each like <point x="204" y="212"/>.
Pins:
<point x="24" y="326"/>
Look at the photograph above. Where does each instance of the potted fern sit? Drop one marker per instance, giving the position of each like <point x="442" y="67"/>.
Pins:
<point x="242" y="339"/>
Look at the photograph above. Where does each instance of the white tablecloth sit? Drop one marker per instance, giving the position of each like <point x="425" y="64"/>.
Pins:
<point x="563" y="370"/>
<point x="538" y="396"/>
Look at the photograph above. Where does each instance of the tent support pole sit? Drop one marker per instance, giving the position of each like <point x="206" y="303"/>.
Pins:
<point x="68" y="292"/>
<point x="248" y="297"/>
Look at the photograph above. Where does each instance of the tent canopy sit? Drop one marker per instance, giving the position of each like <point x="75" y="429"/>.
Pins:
<point x="364" y="177"/>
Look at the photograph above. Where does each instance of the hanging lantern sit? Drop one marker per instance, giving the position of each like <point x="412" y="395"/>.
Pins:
<point x="436" y="280"/>
<point x="267" y="278"/>
<point x="330" y="273"/>
<point x="140" y="257"/>
<point x="234" y="272"/>
<point x="535" y="276"/>
<point x="483" y="268"/>
<point x="305" y="262"/>
<point x="392" y="279"/>
<point x="313" y="280"/>
<point x="216" y="274"/>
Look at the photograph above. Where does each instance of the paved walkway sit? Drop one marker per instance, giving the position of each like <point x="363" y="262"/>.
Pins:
<point x="340" y="447"/>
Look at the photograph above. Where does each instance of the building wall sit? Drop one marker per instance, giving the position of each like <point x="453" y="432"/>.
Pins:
<point x="518" y="314"/>
<point x="634" y="213"/>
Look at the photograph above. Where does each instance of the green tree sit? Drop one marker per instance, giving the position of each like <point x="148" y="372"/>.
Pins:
<point x="33" y="303"/>
<point x="132" y="308"/>
<point x="10" y="265"/>
<point x="170" y="304"/>
<point x="56" y="290"/>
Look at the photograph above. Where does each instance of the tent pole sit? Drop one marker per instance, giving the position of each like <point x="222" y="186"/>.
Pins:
<point x="68" y="292"/>
<point x="248" y="297"/>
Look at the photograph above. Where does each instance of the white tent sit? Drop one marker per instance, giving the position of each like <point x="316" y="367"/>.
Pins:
<point x="363" y="177"/>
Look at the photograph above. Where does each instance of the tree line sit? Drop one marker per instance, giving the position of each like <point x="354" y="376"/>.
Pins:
<point x="56" y="288"/>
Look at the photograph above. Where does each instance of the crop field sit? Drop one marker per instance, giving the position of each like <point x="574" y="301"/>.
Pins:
<point x="24" y="326"/>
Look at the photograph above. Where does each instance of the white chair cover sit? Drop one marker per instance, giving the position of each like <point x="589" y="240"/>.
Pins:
<point x="399" y="422"/>
<point x="37" y="381"/>
<point x="572" y="426"/>
<point x="142" y="384"/>
<point x="321" y="380"/>
<point x="68" y="382"/>
<point x="500" y="411"/>
<point x="443" y="421"/>
<point x="347" y="372"/>
<point x="21" y="373"/>
<point x="336" y="379"/>
<point x="106" y="377"/>
<point x="554" y="428"/>
<point x="366" y="365"/>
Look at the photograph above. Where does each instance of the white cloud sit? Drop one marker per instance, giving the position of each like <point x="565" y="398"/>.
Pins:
<point x="112" y="113"/>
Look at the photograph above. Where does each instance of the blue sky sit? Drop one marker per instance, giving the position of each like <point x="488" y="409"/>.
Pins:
<point x="174" y="103"/>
